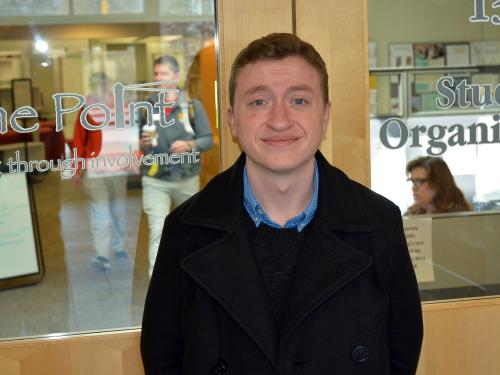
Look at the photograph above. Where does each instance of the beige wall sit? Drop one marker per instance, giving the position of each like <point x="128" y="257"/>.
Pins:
<point x="413" y="21"/>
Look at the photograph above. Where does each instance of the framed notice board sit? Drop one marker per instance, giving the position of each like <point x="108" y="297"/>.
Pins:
<point x="21" y="260"/>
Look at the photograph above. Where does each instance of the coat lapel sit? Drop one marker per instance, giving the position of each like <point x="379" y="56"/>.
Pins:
<point x="326" y="265"/>
<point x="227" y="271"/>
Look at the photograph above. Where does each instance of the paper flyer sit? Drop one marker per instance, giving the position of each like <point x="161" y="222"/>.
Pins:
<point x="457" y="55"/>
<point x="418" y="233"/>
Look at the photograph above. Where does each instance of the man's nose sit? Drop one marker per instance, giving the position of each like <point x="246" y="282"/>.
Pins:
<point x="279" y="117"/>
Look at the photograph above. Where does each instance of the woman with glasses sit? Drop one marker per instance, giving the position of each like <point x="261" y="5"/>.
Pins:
<point x="434" y="189"/>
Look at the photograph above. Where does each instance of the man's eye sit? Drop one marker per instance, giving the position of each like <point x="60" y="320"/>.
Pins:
<point x="258" y="102"/>
<point x="299" y="101"/>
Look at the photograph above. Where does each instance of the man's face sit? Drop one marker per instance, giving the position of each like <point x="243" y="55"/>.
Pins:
<point x="278" y="114"/>
<point x="165" y="72"/>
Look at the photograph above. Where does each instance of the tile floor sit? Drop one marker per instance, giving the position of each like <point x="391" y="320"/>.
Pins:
<point x="74" y="296"/>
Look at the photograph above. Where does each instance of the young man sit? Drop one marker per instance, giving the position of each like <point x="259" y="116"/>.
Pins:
<point x="172" y="183"/>
<point x="282" y="265"/>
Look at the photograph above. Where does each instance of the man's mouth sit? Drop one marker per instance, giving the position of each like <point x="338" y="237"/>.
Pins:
<point x="280" y="141"/>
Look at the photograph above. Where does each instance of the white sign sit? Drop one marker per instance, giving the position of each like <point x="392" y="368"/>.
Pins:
<point x="18" y="254"/>
<point x="418" y="232"/>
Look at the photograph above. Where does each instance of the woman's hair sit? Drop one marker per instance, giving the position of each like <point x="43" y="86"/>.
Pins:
<point x="448" y="197"/>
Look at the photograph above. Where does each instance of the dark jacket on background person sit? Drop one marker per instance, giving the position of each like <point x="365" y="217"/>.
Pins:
<point x="354" y="306"/>
<point x="188" y="114"/>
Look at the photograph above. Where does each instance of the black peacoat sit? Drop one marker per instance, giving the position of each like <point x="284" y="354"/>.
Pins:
<point x="354" y="306"/>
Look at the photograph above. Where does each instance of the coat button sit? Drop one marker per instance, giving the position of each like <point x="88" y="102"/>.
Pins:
<point x="360" y="354"/>
<point x="219" y="367"/>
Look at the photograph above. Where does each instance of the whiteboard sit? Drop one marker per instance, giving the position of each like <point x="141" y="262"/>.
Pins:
<point x="18" y="252"/>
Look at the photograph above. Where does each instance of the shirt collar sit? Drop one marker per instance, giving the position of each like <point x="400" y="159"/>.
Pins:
<point x="258" y="214"/>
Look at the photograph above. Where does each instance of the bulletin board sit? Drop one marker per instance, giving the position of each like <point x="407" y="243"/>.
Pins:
<point x="21" y="260"/>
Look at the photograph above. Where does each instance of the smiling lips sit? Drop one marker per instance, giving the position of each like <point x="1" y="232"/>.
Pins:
<point x="283" y="140"/>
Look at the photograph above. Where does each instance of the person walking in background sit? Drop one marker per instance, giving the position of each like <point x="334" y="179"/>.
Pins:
<point x="434" y="188"/>
<point x="171" y="183"/>
<point x="105" y="186"/>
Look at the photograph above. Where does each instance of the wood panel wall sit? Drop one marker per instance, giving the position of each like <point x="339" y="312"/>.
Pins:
<point x="329" y="26"/>
<point x="461" y="338"/>
<point x="338" y="30"/>
<point x="240" y="22"/>
<point x="111" y="353"/>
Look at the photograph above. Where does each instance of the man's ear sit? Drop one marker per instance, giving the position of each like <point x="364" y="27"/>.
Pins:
<point x="326" y="117"/>
<point x="231" y="121"/>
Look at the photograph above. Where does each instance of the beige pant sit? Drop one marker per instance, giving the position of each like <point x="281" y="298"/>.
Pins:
<point x="157" y="198"/>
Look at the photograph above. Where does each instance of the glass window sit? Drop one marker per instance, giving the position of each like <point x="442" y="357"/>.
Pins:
<point x="435" y="136"/>
<point x="29" y="8"/>
<point x="107" y="123"/>
<point x="108" y="6"/>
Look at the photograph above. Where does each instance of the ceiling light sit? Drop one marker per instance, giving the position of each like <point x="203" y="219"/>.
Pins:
<point x="41" y="45"/>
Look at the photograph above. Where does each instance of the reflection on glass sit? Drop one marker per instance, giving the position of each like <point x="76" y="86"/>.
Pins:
<point x="29" y="8"/>
<point x="186" y="7"/>
<point x="459" y="258"/>
<point x="180" y="127"/>
<point x="108" y="6"/>
<point x="85" y="162"/>
<point x="104" y="185"/>
<point x="386" y="94"/>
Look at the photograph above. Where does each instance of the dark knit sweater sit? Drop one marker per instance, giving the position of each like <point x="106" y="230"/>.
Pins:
<point x="276" y="251"/>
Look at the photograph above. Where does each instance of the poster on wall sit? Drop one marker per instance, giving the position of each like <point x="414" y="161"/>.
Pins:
<point x="401" y="55"/>
<point x="457" y="54"/>
<point x="429" y="54"/>
<point x="418" y="232"/>
<point x="18" y="249"/>
<point x="485" y="53"/>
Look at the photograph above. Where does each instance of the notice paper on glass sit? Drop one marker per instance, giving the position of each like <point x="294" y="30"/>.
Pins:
<point x="485" y="53"/>
<point x="418" y="233"/>
<point x="457" y="55"/>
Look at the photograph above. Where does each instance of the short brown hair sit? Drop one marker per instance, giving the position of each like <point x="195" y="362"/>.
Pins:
<point x="448" y="198"/>
<point x="167" y="60"/>
<point x="277" y="46"/>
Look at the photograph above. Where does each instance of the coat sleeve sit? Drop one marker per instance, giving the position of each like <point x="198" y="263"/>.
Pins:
<point x="201" y="126"/>
<point x="161" y="338"/>
<point x="405" y="328"/>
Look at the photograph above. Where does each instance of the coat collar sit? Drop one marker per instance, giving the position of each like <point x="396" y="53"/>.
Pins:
<point x="220" y="205"/>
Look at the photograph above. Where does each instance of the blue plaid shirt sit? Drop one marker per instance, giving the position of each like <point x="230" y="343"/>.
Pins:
<point x="258" y="215"/>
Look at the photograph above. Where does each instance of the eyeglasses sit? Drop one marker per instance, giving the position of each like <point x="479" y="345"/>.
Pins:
<point x="417" y="182"/>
